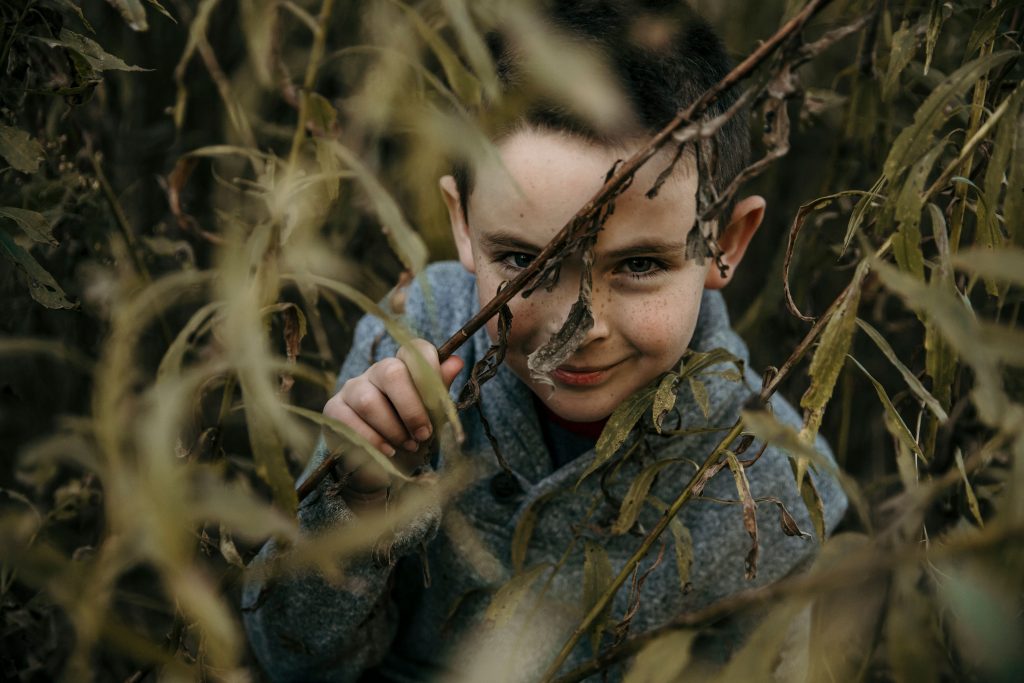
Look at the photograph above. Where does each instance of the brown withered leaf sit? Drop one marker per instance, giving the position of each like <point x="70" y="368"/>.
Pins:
<point x="749" y="512"/>
<point x="566" y="340"/>
<point x="786" y="520"/>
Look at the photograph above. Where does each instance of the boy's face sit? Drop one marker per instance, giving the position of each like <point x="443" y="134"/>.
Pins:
<point x="646" y="294"/>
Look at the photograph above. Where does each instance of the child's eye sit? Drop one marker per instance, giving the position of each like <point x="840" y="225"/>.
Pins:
<point x="517" y="259"/>
<point x="641" y="267"/>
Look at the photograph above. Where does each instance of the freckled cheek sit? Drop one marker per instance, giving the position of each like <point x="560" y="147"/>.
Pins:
<point x="661" y="326"/>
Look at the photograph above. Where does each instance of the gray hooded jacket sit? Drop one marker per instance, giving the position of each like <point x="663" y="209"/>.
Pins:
<point x="382" y="615"/>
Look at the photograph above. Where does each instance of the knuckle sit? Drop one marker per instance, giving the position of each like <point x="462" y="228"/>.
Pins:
<point x="393" y="370"/>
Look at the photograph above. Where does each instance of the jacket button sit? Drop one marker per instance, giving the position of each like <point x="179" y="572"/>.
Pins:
<point x="505" y="487"/>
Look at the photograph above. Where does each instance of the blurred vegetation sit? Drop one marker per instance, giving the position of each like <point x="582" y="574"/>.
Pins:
<point x="191" y="201"/>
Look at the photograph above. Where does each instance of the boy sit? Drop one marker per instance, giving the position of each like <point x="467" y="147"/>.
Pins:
<point x="650" y="303"/>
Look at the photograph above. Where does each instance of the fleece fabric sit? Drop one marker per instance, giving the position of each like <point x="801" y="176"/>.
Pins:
<point x="384" y="619"/>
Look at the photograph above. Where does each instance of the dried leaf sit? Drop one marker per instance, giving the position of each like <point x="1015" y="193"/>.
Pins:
<point x="31" y="223"/>
<point x="663" y="660"/>
<point x="597" y="577"/>
<point x="915" y="139"/>
<point x="907" y="211"/>
<point x="268" y="452"/>
<point x="508" y="598"/>
<point x="228" y="550"/>
<point x="830" y="355"/>
<point x="937" y="14"/>
<point x="1005" y="264"/>
<point x="700" y="394"/>
<point x="749" y="512"/>
<point x="913" y="383"/>
<point x="197" y="325"/>
<point x="21" y="150"/>
<point x="473" y="45"/>
<point x="563" y="343"/>
<point x="619" y="425"/>
<point x="406" y="242"/>
<point x="340" y="435"/>
<point x="972" y="500"/>
<point x="910" y="645"/>
<point x="43" y="288"/>
<point x="683" y="545"/>
<point x="462" y="82"/>
<point x="664" y="399"/>
<point x="524" y="530"/>
<point x="98" y="58"/>
<point x="634" y="499"/>
<point x="893" y="420"/>
<point x="133" y="12"/>
<point x="904" y="45"/>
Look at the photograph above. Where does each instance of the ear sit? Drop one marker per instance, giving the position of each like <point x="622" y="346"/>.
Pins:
<point x="460" y="226"/>
<point x="746" y="219"/>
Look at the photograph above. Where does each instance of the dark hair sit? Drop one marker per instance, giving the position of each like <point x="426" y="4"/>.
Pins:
<point x="663" y="56"/>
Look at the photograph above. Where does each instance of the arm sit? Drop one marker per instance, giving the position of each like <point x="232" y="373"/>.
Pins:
<point x="301" y="627"/>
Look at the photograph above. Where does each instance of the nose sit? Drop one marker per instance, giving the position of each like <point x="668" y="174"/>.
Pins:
<point x="565" y="294"/>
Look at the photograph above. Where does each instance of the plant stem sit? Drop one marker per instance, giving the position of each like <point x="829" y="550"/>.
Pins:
<point x="316" y="55"/>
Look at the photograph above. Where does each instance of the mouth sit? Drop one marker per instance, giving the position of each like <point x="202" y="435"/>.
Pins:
<point x="587" y="375"/>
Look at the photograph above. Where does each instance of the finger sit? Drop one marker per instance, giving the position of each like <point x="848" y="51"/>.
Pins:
<point x="450" y="369"/>
<point x="392" y="377"/>
<point x="369" y="402"/>
<point x="363" y="474"/>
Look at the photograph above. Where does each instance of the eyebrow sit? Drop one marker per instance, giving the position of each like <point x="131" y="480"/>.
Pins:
<point x="507" y="240"/>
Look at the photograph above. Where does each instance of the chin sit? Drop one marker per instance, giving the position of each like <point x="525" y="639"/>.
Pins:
<point x="579" y="408"/>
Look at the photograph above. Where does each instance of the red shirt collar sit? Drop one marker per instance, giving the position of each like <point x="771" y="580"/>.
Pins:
<point x="590" y="430"/>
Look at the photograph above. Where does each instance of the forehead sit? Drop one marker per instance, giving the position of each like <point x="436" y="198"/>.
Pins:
<point x="547" y="176"/>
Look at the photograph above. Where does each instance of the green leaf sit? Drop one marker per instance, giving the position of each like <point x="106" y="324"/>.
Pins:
<point x="663" y="660"/>
<point x="20" y="149"/>
<point x="985" y="28"/>
<point x="43" y="288"/>
<point x="893" y="420"/>
<point x="913" y="383"/>
<point x="31" y="223"/>
<point x="915" y="139"/>
<point x="597" y="577"/>
<point x="664" y="399"/>
<point x="133" y="12"/>
<point x="619" y="425"/>
<point x="831" y="354"/>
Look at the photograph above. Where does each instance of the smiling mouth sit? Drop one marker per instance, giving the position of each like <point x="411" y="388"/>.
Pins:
<point x="581" y="375"/>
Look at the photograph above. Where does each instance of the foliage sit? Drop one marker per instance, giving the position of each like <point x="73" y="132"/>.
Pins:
<point x="182" y="267"/>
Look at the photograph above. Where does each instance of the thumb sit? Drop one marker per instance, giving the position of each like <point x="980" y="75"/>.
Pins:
<point x="450" y="369"/>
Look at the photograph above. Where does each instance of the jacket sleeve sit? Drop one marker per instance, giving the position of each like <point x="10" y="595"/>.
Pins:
<point x="300" y="626"/>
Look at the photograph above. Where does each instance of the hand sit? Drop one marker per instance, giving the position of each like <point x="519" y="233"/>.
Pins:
<point x="384" y="406"/>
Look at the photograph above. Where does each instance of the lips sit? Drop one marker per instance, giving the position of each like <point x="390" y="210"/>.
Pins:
<point x="583" y="375"/>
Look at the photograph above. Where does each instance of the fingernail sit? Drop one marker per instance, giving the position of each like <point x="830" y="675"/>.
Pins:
<point x="410" y="445"/>
<point x="387" y="449"/>
<point x="422" y="434"/>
